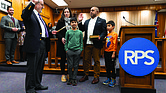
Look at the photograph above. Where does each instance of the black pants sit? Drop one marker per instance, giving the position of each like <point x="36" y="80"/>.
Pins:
<point x="110" y="64"/>
<point x="22" y="54"/>
<point x="62" y="63"/>
<point x="35" y="66"/>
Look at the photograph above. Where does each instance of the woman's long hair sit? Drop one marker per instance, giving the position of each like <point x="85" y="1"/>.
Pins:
<point x="63" y="16"/>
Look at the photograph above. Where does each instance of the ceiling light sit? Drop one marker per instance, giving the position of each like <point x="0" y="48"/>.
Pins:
<point x="60" y="2"/>
<point x="158" y="0"/>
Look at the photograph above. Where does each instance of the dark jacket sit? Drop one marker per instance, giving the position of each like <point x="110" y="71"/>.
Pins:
<point x="33" y="31"/>
<point x="100" y="29"/>
<point x="60" y="35"/>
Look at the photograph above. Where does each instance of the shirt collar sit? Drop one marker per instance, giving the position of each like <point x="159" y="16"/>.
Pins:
<point x="95" y="18"/>
<point x="10" y="15"/>
<point x="35" y="11"/>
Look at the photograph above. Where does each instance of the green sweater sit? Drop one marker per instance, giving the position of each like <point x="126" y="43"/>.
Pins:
<point x="74" y="40"/>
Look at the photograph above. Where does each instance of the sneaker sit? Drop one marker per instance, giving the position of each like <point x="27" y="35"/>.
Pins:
<point x="115" y="82"/>
<point x="112" y="84"/>
<point x="74" y="82"/>
<point x="69" y="82"/>
<point x="107" y="82"/>
<point x="63" y="78"/>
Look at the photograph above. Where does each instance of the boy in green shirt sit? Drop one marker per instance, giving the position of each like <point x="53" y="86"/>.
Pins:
<point x="73" y="48"/>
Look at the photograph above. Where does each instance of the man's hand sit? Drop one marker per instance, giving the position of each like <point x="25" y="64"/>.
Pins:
<point x="15" y="29"/>
<point x="80" y="17"/>
<point x="54" y="32"/>
<point x="63" y="40"/>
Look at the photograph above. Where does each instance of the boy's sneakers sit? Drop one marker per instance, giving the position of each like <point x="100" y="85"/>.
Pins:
<point x="107" y="82"/>
<point x="69" y="82"/>
<point x="112" y="83"/>
<point x="74" y="82"/>
<point x="63" y="78"/>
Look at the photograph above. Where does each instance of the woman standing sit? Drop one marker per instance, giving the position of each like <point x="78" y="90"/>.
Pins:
<point x="64" y="21"/>
<point x="20" y="41"/>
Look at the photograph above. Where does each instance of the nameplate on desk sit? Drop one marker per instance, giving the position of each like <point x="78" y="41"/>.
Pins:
<point x="11" y="24"/>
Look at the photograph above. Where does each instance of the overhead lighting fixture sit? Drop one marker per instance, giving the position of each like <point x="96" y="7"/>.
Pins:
<point x="60" y="2"/>
<point x="159" y="0"/>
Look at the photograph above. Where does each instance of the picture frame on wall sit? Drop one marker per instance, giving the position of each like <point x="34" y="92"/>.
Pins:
<point x="4" y="4"/>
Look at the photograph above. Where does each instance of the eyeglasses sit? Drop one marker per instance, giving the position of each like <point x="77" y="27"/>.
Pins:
<point x="41" y="4"/>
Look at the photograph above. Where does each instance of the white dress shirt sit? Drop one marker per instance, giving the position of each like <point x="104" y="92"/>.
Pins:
<point x="10" y="16"/>
<point x="41" y="24"/>
<point x="91" y="26"/>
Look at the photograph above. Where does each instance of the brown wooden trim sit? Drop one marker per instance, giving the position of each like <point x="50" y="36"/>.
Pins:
<point x="123" y="8"/>
<point x="44" y="15"/>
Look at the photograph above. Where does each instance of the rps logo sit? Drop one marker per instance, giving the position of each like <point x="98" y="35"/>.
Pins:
<point x="138" y="56"/>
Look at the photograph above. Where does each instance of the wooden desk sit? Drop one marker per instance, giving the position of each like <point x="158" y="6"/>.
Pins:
<point x="127" y="81"/>
<point x="52" y="53"/>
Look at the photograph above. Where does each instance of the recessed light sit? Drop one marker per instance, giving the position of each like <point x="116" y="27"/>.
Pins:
<point x="60" y="2"/>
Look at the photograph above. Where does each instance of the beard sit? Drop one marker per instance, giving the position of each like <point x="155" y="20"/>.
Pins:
<point x="93" y="15"/>
<point x="10" y="13"/>
<point x="40" y="10"/>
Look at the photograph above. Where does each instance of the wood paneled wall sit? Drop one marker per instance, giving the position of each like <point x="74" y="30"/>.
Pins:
<point x="2" y="42"/>
<point x="161" y="23"/>
<point x="19" y="5"/>
<point x="57" y="16"/>
<point x="122" y="8"/>
<point x="47" y="14"/>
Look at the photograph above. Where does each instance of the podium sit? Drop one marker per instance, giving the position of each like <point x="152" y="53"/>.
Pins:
<point x="130" y="83"/>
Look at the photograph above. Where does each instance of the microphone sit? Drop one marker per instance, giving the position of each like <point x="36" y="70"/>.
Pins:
<point x="123" y="17"/>
<point x="128" y="21"/>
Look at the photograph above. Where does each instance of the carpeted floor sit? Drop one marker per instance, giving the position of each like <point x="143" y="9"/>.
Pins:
<point x="13" y="82"/>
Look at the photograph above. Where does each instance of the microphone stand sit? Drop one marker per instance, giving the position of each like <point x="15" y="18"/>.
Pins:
<point x="128" y="21"/>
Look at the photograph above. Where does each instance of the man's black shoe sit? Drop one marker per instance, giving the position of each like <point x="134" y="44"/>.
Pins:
<point x="32" y="92"/>
<point x="41" y="88"/>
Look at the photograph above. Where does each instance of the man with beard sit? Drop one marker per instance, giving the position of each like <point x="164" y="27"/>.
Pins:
<point x="93" y="26"/>
<point x="11" y="27"/>
<point x="36" y="44"/>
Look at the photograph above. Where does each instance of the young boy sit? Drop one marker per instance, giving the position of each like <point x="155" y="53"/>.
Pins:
<point x="110" y="54"/>
<point x="73" y="48"/>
